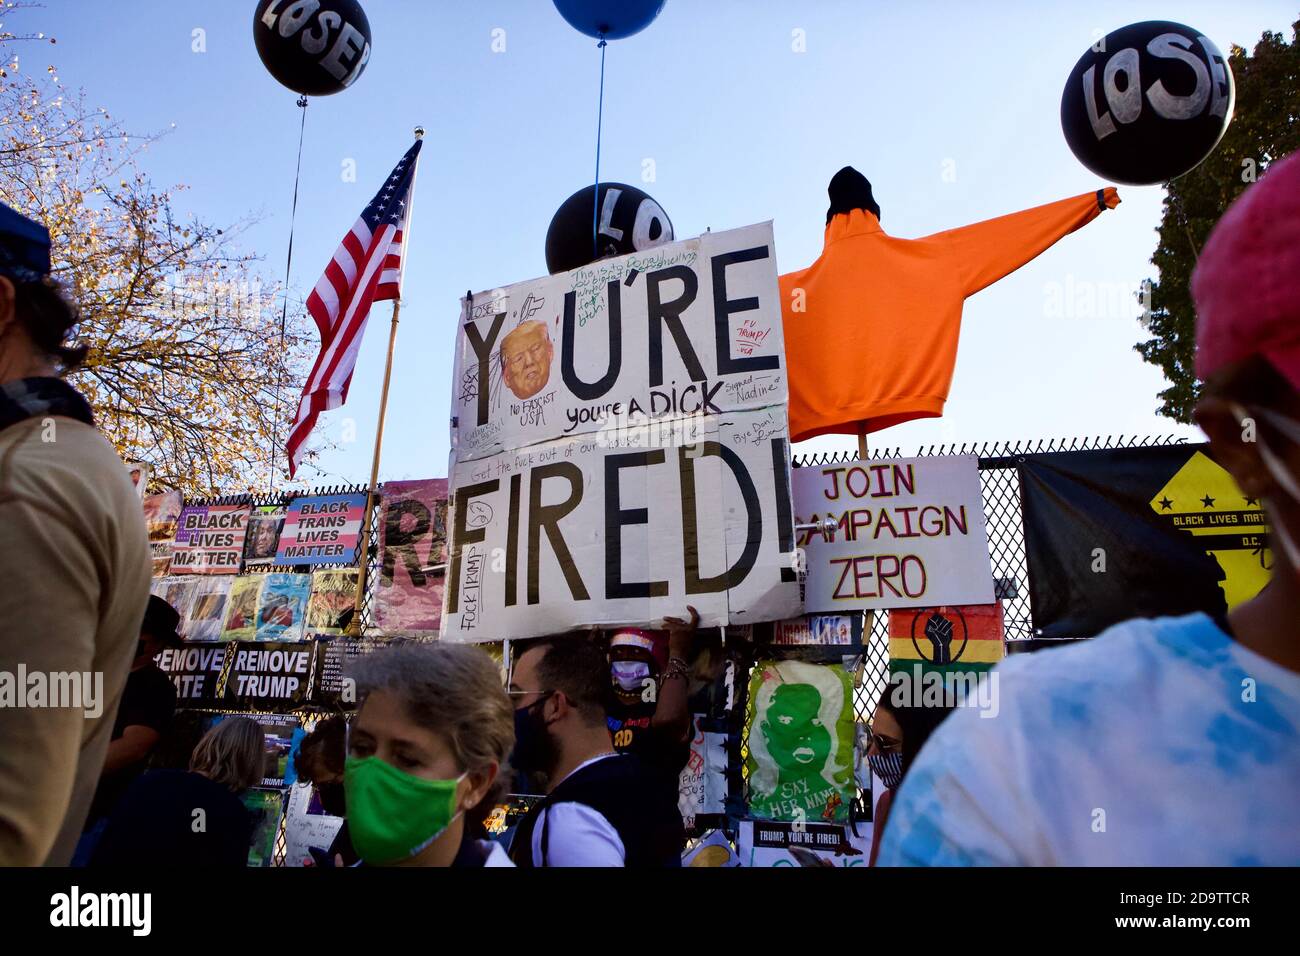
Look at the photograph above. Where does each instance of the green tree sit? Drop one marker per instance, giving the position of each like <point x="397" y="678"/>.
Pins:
<point x="1265" y="127"/>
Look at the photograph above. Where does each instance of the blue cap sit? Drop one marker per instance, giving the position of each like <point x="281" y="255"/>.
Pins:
<point x="24" y="247"/>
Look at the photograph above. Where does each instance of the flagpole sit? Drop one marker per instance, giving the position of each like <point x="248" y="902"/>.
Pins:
<point x="354" y="627"/>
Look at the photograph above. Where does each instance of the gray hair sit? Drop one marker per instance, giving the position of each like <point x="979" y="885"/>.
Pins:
<point x="451" y="689"/>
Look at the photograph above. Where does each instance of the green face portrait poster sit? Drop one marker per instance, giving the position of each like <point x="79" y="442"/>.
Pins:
<point x="800" y="742"/>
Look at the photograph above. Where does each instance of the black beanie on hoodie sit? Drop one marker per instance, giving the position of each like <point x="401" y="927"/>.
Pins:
<point x="849" y="190"/>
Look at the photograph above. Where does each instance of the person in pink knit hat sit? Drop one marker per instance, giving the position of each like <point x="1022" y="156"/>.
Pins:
<point x="1171" y="741"/>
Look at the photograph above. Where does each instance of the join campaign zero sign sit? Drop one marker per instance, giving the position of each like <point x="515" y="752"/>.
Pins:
<point x="909" y="532"/>
<point x="620" y="445"/>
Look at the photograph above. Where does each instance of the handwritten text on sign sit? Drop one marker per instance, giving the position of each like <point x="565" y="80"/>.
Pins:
<point x="909" y="533"/>
<point x="620" y="446"/>
<point x="691" y="328"/>
<point x="572" y="533"/>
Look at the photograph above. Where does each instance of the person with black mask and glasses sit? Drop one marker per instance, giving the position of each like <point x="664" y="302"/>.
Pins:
<point x="601" y="808"/>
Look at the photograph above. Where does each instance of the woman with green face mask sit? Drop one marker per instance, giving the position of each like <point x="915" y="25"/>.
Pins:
<point x="425" y="754"/>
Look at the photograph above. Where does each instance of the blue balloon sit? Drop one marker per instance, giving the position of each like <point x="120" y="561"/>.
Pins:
<point x="609" y="19"/>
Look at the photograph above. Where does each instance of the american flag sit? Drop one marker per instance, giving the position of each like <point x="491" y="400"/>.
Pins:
<point x="366" y="268"/>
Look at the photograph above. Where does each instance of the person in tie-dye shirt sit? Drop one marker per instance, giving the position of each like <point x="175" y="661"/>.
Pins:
<point x="1167" y="742"/>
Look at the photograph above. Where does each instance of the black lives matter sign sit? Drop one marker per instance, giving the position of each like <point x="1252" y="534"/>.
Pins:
<point x="210" y="539"/>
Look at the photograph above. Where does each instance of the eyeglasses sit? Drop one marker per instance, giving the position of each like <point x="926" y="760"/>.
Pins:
<point x="525" y="693"/>
<point x="886" y="744"/>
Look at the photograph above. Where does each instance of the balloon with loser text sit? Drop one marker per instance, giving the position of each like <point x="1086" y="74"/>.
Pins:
<point x="314" y="47"/>
<point x="1147" y="103"/>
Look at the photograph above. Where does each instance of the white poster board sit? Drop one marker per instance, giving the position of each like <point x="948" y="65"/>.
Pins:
<point x="620" y="446"/>
<point x="772" y="843"/>
<point x="910" y="532"/>
<point x="303" y="830"/>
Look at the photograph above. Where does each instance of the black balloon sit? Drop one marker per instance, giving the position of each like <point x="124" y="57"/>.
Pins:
<point x="626" y="220"/>
<point x="314" y="47"/>
<point x="1147" y="103"/>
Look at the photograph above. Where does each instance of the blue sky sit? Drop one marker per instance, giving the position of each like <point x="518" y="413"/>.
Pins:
<point x="951" y="109"/>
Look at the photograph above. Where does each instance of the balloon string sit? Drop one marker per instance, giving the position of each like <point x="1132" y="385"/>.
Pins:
<point x="284" y="307"/>
<point x="595" y="191"/>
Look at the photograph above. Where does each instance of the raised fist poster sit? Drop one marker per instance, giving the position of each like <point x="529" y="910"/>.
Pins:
<point x="413" y="555"/>
<point x="909" y="533"/>
<point x="801" y="728"/>
<point x="620" y="445"/>
<point x="944" y="639"/>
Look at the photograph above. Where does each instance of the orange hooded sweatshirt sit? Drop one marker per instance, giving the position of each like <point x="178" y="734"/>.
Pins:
<point x="871" y="326"/>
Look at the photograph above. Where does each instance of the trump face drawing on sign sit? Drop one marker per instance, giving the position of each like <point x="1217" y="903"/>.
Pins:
<point x="526" y="354"/>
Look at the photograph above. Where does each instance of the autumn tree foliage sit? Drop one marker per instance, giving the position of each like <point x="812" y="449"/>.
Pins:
<point x="187" y="369"/>
<point x="1265" y="127"/>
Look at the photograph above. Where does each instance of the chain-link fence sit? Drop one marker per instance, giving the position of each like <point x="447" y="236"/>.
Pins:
<point x="1000" y="491"/>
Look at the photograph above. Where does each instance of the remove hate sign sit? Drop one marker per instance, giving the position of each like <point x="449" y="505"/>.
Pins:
<point x="909" y="532"/>
<point x="620" y="446"/>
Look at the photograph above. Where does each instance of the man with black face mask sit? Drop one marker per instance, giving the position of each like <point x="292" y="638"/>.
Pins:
<point x="601" y="808"/>
<point x="143" y="717"/>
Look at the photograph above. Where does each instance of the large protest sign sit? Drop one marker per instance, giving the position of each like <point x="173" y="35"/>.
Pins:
<point x="194" y="671"/>
<point x="909" y="533"/>
<point x="412" y="543"/>
<point x="210" y="539"/>
<point x="331" y="687"/>
<point x="619" y="445"/>
<point x="269" y="676"/>
<point x="801" y="752"/>
<point x="323" y="529"/>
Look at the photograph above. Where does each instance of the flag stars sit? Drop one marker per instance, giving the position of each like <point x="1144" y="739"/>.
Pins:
<point x="1207" y="501"/>
<point x="1165" y="503"/>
